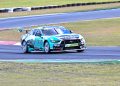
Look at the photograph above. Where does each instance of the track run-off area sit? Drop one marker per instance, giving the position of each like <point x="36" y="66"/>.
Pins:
<point x="91" y="54"/>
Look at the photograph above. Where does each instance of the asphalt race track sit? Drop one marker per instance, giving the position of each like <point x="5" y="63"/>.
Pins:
<point x="58" y="18"/>
<point x="12" y="52"/>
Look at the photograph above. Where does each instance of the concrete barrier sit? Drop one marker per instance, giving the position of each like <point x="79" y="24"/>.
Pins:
<point x="18" y="9"/>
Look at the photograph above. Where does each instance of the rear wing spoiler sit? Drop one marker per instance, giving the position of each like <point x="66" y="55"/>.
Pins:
<point x="21" y="29"/>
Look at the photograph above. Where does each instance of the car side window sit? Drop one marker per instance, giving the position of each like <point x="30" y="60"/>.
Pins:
<point x="37" y="33"/>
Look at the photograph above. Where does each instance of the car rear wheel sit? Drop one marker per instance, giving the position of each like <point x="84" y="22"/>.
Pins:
<point x="25" y="47"/>
<point x="47" y="47"/>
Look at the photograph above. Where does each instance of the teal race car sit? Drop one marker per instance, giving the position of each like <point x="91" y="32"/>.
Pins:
<point x="51" y="38"/>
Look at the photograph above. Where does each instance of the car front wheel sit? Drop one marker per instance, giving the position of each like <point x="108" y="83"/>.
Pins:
<point x="47" y="47"/>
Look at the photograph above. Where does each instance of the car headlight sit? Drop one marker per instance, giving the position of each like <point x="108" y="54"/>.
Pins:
<point x="54" y="41"/>
<point x="82" y="40"/>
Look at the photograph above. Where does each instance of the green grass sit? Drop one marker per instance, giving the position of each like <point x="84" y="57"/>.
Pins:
<point x="24" y="3"/>
<point x="104" y="32"/>
<point x="77" y="74"/>
<point x="98" y="32"/>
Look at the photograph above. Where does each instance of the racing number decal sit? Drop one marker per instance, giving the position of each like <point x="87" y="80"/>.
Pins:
<point x="38" y="42"/>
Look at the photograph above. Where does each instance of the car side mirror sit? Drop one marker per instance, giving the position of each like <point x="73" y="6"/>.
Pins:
<point x="26" y="31"/>
<point x="71" y="31"/>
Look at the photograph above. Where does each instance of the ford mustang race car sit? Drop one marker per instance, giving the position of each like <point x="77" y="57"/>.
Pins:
<point x="52" y="38"/>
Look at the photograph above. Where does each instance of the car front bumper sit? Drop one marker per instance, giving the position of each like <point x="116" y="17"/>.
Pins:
<point x="70" y="45"/>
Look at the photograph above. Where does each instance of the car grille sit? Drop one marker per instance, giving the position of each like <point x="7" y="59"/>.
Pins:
<point x="64" y="42"/>
<point x="70" y="41"/>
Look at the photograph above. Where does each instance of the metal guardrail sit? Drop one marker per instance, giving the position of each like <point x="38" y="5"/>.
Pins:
<point x="18" y="9"/>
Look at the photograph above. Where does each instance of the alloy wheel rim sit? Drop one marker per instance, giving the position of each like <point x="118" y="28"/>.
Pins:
<point x="46" y="47"/>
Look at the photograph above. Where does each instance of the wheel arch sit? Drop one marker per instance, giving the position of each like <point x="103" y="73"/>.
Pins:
<point x="22" y="42"/>
<point x="45" y="41"/>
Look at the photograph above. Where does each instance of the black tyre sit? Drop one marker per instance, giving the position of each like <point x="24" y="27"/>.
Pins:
<point x="25" y="47"/>
<point x="46" y="47"/>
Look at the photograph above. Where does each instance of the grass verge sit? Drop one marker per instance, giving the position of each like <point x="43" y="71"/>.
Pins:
<point x="103" y="32"/>
<point x="77" y="74"/>
<point x="61" y="10"/>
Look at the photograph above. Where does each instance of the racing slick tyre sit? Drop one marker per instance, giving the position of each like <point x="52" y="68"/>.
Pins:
<point x="46" y="47"/>
<point x="25" y="47"/>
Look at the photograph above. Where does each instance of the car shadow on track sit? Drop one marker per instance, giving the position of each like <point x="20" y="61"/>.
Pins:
<point x="52" y="53"/>
<point x="39" y="53"/>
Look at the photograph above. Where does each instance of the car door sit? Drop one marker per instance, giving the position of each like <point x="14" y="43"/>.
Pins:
<point x="38" y="41"/>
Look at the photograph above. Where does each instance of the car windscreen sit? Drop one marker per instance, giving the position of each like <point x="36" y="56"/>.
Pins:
<point x="63" y="31"/>
<point x="49" y="32"/>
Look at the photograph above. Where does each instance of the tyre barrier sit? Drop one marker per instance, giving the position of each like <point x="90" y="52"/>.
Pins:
<point x="72" y="5"/>
<point x="4" y="10"/>
<point x="18" y="9"/>
<point x="21" y="9"/>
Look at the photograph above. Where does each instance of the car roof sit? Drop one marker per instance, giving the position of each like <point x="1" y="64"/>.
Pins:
<point x="51" y="27"/>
